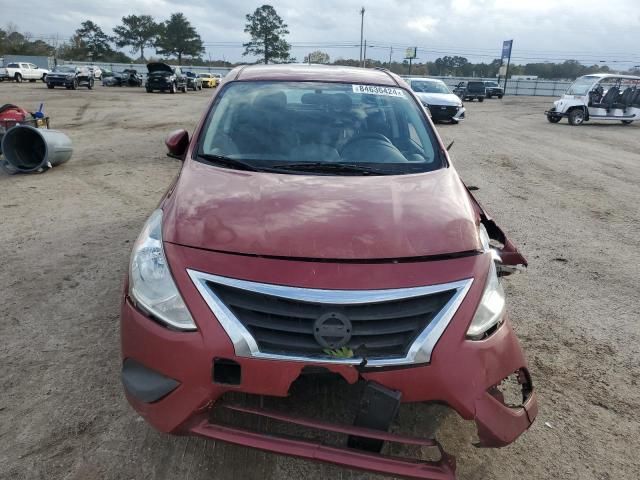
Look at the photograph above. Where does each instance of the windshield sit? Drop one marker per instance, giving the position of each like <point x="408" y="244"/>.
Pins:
<point x="190" y="74"/>
<point x="581" y="86"/>
<point x="65" y="69"/>
<point x="285" y="124"/>
<point x="422" y="86"/>
<point x="205" y="75"/>
<point x="491" y="84"/>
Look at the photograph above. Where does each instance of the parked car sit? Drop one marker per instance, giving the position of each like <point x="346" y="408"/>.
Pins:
<point x="471" y="91"/>
<point x="19" y="71"/>
<point x="165" y="78"/>
<point x="129" y="77"/>
<point x="438" y="99"/>
<point x="493" y="89"/>
<point x="209" y="80"/>
<point x="71" y="77"/>
<point x="194" y="82"/>
<point x="319" y="227"/>
<point x="608" y="97"/>
<point x="96" y="72"/>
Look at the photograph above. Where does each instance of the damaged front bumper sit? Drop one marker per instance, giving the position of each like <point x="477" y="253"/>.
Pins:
<point x="180" y="376"/>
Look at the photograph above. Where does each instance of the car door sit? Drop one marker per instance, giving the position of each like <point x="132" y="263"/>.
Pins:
<point x="35" y="71"/>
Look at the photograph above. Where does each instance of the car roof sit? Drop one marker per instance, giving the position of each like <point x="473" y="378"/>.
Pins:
<point x="611" y="75"/>
<point x="319" y="73"/>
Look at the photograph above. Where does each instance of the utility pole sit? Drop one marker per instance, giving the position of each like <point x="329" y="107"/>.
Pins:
<point x="361" y="33"/>
<point x="364" y="63"/>
<point x="390" y="55"/>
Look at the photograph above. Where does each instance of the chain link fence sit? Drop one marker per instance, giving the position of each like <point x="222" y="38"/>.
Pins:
<point x="543" y="88"/>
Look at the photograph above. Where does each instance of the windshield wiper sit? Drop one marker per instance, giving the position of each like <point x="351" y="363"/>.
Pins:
<point x="229" y="162"/>
<point x="325" y="167"/>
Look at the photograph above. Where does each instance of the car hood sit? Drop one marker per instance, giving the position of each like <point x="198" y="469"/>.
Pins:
<point x="320" y="217"/>
<point x="448" y="99"/>
<point x="155" y="67"/>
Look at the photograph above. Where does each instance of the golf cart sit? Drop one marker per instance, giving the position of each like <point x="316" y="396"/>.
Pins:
<point x="599" y="97"/>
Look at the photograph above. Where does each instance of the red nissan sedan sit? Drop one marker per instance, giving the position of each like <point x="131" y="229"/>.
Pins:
<point x="319" y="229"/>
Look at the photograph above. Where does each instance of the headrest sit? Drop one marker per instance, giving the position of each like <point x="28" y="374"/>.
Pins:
<point x="270" y="100"/>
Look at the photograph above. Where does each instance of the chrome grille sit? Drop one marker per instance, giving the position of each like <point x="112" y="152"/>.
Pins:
<point x="283" y="326"/>
<point x="385" y="327"/>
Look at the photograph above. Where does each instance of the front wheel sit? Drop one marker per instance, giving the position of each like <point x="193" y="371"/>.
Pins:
<point x="481" y="99"/>
<point x="576" y="117"/>
<point x="74" y="85"/>
<point x="627" y="122"/>
<point x="149" y="90"/>
<point x="553" y="118"/>
<point x="44" y="78"/>
<point x="500" y="97"/>
<point x="90" y="85"/>
<point x="173" y="88"/>
<point x="49" y="86"/>
<point x="18" y="78"/>
<point x="184" y="88"/>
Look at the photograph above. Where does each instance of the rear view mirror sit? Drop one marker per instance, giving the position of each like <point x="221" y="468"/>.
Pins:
<point x="177" y="143"/>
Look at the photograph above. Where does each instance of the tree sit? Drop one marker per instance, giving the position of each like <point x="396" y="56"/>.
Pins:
<point x="94" y="40"/>
<point x="267" y="32"/>
<point x="137" y="32"/>
<point x="177" y="37"/>
<point x="317" y="57"/>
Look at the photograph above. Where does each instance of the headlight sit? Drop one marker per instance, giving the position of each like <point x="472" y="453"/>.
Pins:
<point x="491" y="309"/>
<point x="150" y="283"/>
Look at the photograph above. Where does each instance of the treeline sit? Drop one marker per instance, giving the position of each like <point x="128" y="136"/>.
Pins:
<point x="461" y="67"/>
<point x="172" y="38"/>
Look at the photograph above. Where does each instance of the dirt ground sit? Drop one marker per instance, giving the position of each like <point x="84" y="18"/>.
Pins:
<point x="568" y="197"/>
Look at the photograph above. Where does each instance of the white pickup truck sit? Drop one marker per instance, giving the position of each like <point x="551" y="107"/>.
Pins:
<point x="20" y="71"/>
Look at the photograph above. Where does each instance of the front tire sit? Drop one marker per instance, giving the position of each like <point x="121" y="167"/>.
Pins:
<point x="149" y="90"/>
<point x="44" y="78"/>
<point x="627" y="122"/>
<point x="184" y="88"/>
<point x="500" y="97"/>
<point x="173" y="88"/>
<point x="90" y="85"/>
<point x="18" y="78"/>
<point x="576" y="117"/>
<point x="74" y="85"/>
<point x="481" y="99"/>
<point x="50" y="86"/>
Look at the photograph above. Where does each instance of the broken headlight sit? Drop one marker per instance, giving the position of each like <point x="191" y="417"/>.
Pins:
<point x="151" y="285"/>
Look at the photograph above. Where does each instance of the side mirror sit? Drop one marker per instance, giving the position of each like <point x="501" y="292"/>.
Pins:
<point x="177" y="143"/>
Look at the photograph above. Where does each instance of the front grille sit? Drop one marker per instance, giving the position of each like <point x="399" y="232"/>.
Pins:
<point x="292" y="327"/>
<point x="443" y="111"/>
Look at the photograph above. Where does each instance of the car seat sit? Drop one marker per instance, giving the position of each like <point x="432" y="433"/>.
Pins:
<point x="636" y="99"/>
<point x="625" y="99"/>
<point x="609" y="98"/>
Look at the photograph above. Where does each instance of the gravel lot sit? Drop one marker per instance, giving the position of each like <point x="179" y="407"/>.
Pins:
<point x="568" y="197"/>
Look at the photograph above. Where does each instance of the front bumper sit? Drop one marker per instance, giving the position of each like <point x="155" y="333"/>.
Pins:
<point x="461" y="372"/>
<point x="59" y="82"/>
<point x="447" y="112"/>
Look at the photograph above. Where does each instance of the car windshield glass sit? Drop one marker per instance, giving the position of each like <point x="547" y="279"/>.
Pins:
<point x="491" y="84"/>
<point x="190" y="74"/>
<point x="65" y="69"/>
<point x="581" y="86"/>
<point x="276" y="124"/>
<point x="421" y="86"/>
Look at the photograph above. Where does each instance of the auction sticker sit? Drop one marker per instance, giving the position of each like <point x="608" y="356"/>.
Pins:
<point x="377" y="90"/>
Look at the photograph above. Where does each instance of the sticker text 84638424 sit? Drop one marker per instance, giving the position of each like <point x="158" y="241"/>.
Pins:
<point x="378" y="90"/>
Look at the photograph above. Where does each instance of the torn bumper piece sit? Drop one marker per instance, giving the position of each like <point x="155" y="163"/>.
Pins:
<point x="444" y="469"/>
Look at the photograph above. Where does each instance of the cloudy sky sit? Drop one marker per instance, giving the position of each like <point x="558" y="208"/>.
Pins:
<point x="554" y="30"/>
